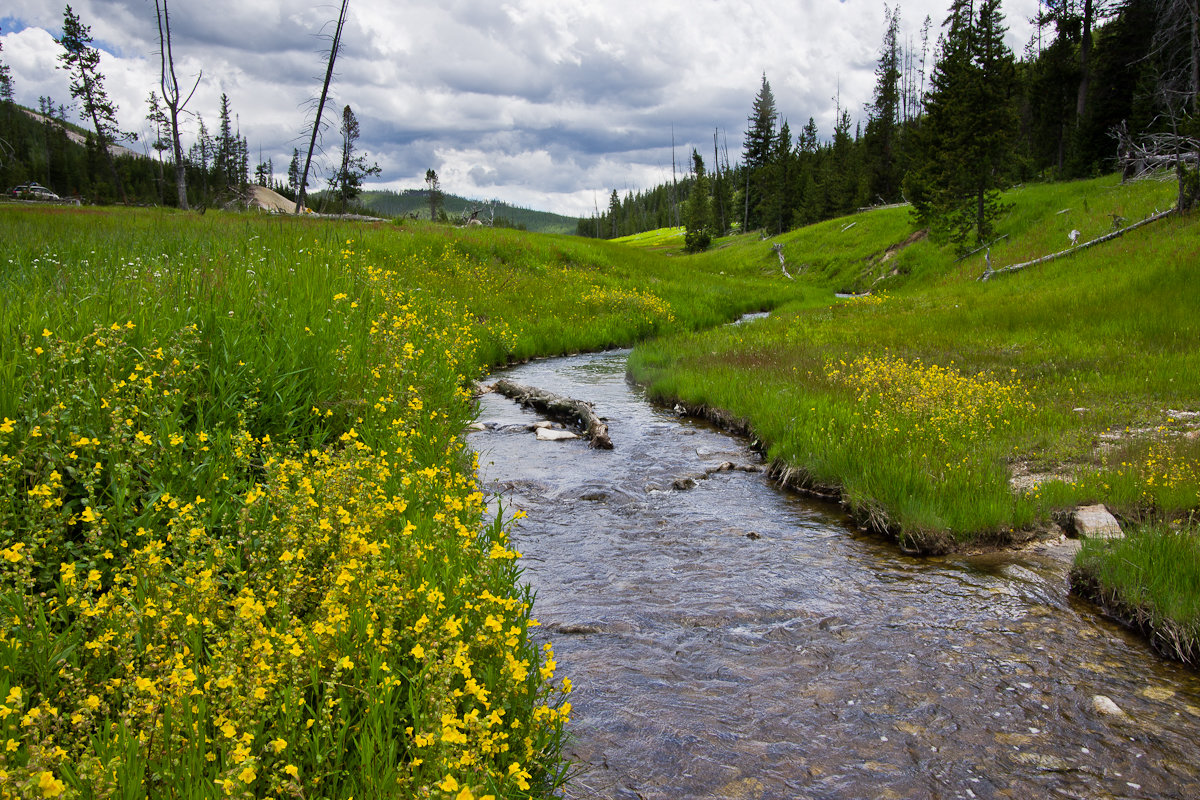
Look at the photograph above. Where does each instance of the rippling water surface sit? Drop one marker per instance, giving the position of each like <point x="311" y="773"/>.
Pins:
<point x="729" y="639"/>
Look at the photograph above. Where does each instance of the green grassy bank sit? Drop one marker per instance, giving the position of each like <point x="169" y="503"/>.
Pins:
<point x="955" y="413"/>
<point x="243" y="552"/>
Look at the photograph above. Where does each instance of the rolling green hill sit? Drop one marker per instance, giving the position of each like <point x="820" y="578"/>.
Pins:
<point x="416" y="201"/>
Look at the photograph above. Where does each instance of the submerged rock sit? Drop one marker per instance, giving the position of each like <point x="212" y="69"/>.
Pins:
<point x="1105" y="707"/>
<point x="1045" y="762"/>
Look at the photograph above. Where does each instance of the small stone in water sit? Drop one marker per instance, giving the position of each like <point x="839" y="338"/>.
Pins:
<point x="1104" y="705"/>
<point x="548" y="435"/>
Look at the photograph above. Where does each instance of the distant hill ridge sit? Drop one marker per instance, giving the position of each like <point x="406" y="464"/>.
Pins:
<point x="416" y="201"/>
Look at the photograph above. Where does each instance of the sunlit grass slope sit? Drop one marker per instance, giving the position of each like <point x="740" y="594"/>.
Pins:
<point x="920" y="402"/>
<point x="883" y="250"/>
<point x="243" y="551"/>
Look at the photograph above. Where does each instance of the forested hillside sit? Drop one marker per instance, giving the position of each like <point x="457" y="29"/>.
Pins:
<point x="415" y="202"/>
<point x="955" y="118"/>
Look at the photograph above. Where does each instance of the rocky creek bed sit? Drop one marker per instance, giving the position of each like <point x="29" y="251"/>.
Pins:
<point x="729" y="639"/>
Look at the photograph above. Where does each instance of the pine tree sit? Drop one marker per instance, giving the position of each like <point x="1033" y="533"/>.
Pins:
<point x="87" y="85"/>
<point x="883" y="127"/>
<point x="841" y="171"/>
<point x="614" y="214"/>
<point x="293" y="174"/>
<point x="201" y="155"/>
<point x="810" y="201"/>
<point x="242" y="171"/>
<point x="757" y="151"/>
<point x="225" y="157"/>
<point x="966" y="137"/>
<point x="435" y="194"/>
<point x="778" y="197"/>
<point x="698" y="220"/>
<point x="347" y="181"/>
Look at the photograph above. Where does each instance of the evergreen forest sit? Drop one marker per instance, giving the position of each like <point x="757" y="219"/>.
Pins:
<point x="955" y="118"/>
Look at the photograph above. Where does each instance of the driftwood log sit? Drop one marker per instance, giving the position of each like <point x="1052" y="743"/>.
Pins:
<point x="563" y="409"/>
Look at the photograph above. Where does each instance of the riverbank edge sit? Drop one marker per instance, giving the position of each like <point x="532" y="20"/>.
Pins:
<point x="868" y="516"/>
<point x="1165" y="636"/>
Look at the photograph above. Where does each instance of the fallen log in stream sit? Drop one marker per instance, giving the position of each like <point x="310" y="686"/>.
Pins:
<point x="563" y="409"/>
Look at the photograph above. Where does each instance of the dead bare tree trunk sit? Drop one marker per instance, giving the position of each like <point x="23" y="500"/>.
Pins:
<point x="989" y="273"/>
<point x="171" y="96"/>
<point x="778" y="248"/>
<point x="312" y="141"/>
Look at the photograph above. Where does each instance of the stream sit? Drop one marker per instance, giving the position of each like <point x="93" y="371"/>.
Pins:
<point x="730" y="639"/>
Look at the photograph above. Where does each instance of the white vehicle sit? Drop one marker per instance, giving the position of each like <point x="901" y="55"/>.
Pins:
<point x="33" y="191"/>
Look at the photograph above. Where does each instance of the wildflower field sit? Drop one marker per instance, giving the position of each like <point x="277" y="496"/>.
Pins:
<point x="243" y="550"/>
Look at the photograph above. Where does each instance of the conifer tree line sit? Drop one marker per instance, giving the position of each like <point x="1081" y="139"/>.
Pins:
<point x="955" y="117"/>
<point x="97" y="162"/>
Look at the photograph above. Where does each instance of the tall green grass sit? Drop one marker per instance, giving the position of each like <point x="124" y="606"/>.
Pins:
<point x="242" y="547"/>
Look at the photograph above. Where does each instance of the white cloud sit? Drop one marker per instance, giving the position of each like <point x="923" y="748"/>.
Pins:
<point x="538" y="102"/>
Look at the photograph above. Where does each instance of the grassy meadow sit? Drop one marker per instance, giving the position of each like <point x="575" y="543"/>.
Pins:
<point x="955" y="413"/>
<point x="243" y="550"/>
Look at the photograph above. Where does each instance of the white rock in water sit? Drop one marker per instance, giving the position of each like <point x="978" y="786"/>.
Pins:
<point x="1096" y="522"/>
<point x="549" y="435"/>
<point x="542" y="423"/>
<point x="477" y="426"/>
<point x="1106" y="707"/>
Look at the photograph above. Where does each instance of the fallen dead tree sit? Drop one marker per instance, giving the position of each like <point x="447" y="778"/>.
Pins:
<point x="1098" y="240"/>
<point x="564" y="409"/>
<point x="778" y="248"/>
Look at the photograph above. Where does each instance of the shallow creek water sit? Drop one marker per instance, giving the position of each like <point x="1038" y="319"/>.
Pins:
<point x="735" y="640"/>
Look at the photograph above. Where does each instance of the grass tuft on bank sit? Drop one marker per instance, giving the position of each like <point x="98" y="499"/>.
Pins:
<point x="1151" y="581"/>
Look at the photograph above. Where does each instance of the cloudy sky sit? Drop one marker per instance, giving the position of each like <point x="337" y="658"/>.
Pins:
<point x="549" y="104"/>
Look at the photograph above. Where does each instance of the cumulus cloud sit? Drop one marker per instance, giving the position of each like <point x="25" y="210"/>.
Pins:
<point x="537" y="102"/>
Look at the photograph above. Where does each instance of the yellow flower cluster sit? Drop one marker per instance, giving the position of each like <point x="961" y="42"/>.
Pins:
<point x="868" y="299"/>
<point x="187" y="601"/>
<point x="902" y="397"/>
<point x="1166" y="468"/>
<point x="632" y="301"/>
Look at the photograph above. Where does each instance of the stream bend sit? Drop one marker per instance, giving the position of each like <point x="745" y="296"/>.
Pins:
<point x="728" y="639"/>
